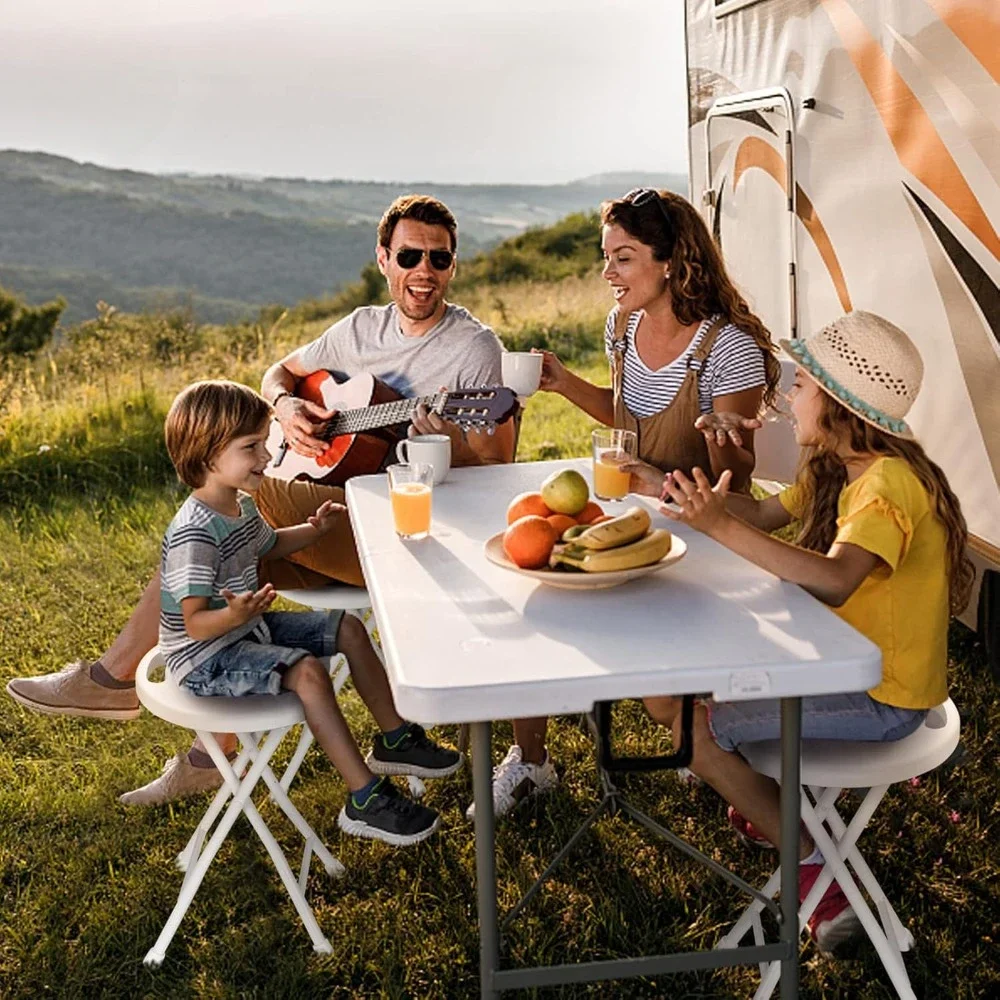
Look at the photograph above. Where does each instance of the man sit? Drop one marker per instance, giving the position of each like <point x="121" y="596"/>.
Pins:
<point x="416" y="344"/>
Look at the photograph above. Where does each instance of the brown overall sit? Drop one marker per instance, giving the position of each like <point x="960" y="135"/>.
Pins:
<point x="667" y="439"/>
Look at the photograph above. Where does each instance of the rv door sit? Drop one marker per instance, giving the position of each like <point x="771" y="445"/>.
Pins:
<point x="750" y="208"/>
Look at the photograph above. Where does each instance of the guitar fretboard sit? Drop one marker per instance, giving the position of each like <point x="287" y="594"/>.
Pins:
<point x="380" y="415"/>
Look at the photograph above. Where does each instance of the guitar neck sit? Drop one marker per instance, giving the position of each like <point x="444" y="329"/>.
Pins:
<point x="368" y="418"/>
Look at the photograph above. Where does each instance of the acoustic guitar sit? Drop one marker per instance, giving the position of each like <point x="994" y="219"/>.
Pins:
<point x="366" y="426"/>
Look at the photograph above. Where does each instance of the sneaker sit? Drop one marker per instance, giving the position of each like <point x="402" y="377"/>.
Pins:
<point x="514" y="781"/>
<point x="746" y="831"/>
<point x="834" y="925"/>
<point x="388" y="816"/>
<point x="413" y="753"/>
<point x="71" y="691"/>
<point x="180" y="779"/>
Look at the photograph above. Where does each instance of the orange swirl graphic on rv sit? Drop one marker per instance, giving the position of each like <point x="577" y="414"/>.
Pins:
<point x="755" y="152"/>
<point x="977" y="28"/>
<point x="918" y="146"/>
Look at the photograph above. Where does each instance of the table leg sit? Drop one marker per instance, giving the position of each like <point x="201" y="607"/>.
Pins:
<point x="791" y="731"/>
<point x="486" y="875"/>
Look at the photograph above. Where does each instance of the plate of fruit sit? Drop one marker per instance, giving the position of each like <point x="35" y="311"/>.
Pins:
<point x="560" y="537"/>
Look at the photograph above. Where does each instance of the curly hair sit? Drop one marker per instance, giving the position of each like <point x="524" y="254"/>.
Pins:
<point x="823" y="475"/>
<point x="699" y="285"/>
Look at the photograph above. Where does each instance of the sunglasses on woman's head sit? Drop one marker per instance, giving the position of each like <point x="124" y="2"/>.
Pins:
<point x="409" y="257"/>
<point x="638" y="197"/>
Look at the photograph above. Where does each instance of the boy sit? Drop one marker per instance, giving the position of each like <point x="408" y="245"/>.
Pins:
<point x="218" y="638"/>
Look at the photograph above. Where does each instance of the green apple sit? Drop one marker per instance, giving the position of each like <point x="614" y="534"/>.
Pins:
<point x="566" y="492"/>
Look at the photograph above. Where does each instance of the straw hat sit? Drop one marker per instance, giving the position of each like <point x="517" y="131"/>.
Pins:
<point x="867" y="365"/>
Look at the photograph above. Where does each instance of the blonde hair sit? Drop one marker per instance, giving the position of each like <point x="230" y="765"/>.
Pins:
<point x="698" y="282"/>
<point x="823" y="475"/>
<point x="204" y="418"/>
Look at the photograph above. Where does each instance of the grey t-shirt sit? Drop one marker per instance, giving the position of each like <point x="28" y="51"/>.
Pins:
<point x="458" y="353"/>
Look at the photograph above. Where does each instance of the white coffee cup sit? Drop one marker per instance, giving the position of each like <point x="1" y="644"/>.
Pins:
<point x="521" y="371"/>
<point x="434" y="449"/>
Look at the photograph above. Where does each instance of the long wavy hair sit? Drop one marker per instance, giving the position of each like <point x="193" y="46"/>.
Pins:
<point x="698" y="283"/>
<point x="823" y="475"/>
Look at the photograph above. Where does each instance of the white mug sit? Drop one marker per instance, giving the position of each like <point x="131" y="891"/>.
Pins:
<point x="521" y="371"/>
<point x="434" y="449"/>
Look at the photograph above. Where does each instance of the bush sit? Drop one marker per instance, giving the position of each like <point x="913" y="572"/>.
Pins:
<point x="25" y="329"/>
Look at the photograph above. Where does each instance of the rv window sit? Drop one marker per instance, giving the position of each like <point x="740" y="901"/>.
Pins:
<point x="723" y="7"/>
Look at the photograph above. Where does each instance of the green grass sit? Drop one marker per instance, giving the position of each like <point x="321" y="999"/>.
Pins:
<point x="85" y="885"/>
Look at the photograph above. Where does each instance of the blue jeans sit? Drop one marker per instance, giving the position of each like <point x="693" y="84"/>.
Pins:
<point x="855" y="716"/>
<point x="250" y="666"/>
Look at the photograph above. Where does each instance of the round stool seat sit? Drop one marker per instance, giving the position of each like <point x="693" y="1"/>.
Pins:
<point x="336" y="597"/>
<point x="850" y="764"/>
<point x="252" y="714"/>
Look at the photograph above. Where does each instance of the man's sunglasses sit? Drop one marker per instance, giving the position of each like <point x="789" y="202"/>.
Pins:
<point x="638" y="197"/>
<point x="408" y="258"/>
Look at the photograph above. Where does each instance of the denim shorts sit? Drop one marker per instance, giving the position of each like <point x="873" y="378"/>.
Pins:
<point x="250" y="666"/>
<point x="855" y="716"/>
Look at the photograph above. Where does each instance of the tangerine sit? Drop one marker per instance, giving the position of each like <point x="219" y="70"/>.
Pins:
<point x="529" y="540"/>
<point x="601" y="519"/>
<point x="590" y="513"/>
<point x="561" y="522"/>
<point x="527" y="503"/>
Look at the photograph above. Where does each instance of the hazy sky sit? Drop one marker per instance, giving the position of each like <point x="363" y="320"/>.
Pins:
<point x="444" y="90"/>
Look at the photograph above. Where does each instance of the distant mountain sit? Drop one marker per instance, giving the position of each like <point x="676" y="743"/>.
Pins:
<point x="226" y="245"/>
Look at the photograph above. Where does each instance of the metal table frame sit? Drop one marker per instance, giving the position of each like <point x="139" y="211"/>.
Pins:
<point x="494" y="979"/>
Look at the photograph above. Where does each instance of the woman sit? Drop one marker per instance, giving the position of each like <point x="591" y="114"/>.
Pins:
<point x="691" y="369"/>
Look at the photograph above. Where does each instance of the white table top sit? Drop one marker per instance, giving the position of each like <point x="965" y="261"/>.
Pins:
<point x="467" y="641"/>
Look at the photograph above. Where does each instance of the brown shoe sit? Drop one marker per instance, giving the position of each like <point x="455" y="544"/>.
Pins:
<point x="180" y="778"/>
<point x="71" y="691"/>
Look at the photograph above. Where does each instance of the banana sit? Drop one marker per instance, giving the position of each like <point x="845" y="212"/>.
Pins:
<point x="649" y="549"/>
<point x="570" y="533"/>
<point x="621" y="530"/>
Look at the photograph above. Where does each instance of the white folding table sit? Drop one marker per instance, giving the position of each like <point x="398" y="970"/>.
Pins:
<point x="468" y="642"/>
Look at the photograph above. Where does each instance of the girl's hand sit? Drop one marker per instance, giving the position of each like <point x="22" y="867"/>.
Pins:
<point x="644" y="479"/>
<point x="720" y="427"/>
<point x="325" y="517"/>
<point x="247" y="605"/>
<point x="553" y="377"/>
<point x="701" y="506"/>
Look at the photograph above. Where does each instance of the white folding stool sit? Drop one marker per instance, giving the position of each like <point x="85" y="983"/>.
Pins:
<point x="260" y="723"/>
<point x="828" y="767"/>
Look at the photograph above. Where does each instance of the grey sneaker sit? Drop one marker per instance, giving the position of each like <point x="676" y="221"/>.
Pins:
<point x="514" y="780"/>
<point x="71" y="691"/>
<point x="180" y="779"/>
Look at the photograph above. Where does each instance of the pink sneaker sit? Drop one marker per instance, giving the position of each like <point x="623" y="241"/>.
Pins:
<point x="746" y="831"/>
<point x="834" y="925"/>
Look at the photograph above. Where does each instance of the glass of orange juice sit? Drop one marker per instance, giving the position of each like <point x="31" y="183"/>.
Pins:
<point x="612" y="446"/>
<point x="410" y="494"/>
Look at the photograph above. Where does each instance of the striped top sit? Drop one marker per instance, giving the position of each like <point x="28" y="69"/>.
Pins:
<point x="734" y="364"/>
<point x="203" y="553"/>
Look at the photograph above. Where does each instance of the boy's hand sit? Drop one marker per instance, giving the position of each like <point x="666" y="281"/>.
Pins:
<point x="246" y="605"/>
<point x="326" y="516"/>
<point x="644" y="479"/>
<point x="701" y="506"/>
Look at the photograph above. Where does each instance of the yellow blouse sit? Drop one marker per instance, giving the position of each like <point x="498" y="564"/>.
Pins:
<point x="902" y="606"/>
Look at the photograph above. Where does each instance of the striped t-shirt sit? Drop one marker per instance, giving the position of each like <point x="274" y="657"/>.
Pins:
<point x="734" y="364"/>
<point x="203" y="553"/>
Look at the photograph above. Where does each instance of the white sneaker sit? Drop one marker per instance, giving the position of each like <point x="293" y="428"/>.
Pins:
<point x="514" y="781"/>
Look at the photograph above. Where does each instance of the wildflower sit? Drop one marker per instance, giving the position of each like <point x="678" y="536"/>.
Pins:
<point x="914" y="782"/>
<point x="43" y="448"/>
<point x="955" y="816"/>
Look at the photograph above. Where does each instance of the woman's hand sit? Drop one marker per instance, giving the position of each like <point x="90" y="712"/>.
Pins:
<point x="722" y="427"/>
<point x="644" y="479"/>
<point x="554" y="372"/>
<point x="701" y="506"/>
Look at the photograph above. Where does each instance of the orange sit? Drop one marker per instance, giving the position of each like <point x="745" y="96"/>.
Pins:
<point x="602" y="519"/>
<point x="590" y="513"/>
<point x="528" y="541"/>
<point x="561" y="522"/>
<point x="527" y="503"/>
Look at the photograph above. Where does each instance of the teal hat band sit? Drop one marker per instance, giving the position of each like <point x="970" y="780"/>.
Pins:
<point x="800" y="352"/>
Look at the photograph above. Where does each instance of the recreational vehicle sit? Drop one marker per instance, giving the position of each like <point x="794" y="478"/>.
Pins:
<point x="846" y="154"/>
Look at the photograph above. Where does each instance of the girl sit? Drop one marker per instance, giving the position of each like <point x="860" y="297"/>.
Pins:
<point x="691" y="367"/>
<point x="882" y="541"/>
